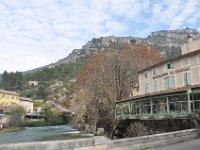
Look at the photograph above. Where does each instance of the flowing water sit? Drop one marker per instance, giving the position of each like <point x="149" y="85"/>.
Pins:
<point x="30" y="134"/>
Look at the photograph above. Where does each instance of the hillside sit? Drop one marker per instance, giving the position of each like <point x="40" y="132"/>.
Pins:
<point x="63" y="73"/>
<point x="168" y="41"/>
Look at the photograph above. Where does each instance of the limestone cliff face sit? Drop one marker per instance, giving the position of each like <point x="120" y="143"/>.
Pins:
<point x="168" y="41"/>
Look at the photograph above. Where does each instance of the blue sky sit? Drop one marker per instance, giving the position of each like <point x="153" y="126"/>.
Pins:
<point x="35" y="33"/>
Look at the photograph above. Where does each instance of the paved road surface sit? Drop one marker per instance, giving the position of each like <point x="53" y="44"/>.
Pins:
<point x="191" y="145"/>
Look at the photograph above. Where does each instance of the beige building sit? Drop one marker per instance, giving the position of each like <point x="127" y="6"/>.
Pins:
<point x="168" y="89"/>
<point x="175" y="73"/>
<point x="27" y="103"/>
<point x="9" y="98"/>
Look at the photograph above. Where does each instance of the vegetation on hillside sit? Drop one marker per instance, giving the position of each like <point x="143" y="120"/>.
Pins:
<point x="94" y="83"/>
<point x="16" y="81"/>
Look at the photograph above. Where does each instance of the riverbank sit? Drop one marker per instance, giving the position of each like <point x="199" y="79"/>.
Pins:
<point x="11" y="129"/>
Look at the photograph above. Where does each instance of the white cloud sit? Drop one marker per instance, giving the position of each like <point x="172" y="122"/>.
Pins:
<point x="38" y="32"/>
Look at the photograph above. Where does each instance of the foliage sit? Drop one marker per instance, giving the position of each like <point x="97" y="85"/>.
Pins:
<point x="12" y="81"/>
<point x="38" y="123"/>
<point x="137" y="129"/>
<point x="16" y="113"/>
<point x="38" y="103"/>
<point x="53" y="116"/>
<point x="61" y="72"/>
<point x="109" y="76"/>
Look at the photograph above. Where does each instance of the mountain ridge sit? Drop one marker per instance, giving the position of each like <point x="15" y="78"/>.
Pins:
<point x="167" y="41"/>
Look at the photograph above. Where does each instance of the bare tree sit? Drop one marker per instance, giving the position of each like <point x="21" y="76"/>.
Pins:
<point x="109" y="76"/>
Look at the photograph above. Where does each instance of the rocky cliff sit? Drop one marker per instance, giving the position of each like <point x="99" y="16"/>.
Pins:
<point x="168" y="41"/>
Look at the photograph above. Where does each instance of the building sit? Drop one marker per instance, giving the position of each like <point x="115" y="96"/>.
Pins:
<point x="27" y="103"/>
<point x="8" y="98"/>
<point x="170" y="88"/>
<point x="33" y="83"/>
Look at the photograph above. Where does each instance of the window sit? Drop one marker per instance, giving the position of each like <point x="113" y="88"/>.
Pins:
<point x="118" y="110"/>
<point x="178" y="104"/>
<point x="126" y="110"/>
<point x="146" y="88"/>
<point x="155" y="71"/>
<point x="169" y="82"/>
<point x="146" y="107"/>
<point x="159" y="105"/>
<point x="185" y="62"/>
<point x="136" y="108"/>
<point x="146" y="74"/>
<point x="198" y="58"/>
<point x="187" y="78"/>
<point x="155" y="85"/>
<point x="169" y="66"/>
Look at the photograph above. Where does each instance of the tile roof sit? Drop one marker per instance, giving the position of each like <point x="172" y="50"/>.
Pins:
<point x="25" y="99"/>
<point x="9" y="92"/>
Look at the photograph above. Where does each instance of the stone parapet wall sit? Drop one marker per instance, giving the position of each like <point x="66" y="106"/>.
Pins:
<point x="152" y="141"/>
<point x="102" y="143"/>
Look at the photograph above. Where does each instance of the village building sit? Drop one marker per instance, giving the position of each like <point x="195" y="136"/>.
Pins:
<point x="8" y="99"/>
<point x="170" y="88"/>
<point x="27" y="103"/>
<point x="33" y="83"/>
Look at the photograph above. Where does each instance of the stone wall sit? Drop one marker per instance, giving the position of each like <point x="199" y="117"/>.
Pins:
<point x="152" y="141"/>
<point x="102" y="143"/>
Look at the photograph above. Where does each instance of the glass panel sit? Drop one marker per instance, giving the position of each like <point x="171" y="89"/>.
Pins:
<point x="171" y="82"/>
<point x="195" y="96"/>
<point x="166" y="83"/>
<point x="118" y="110"/>
<point x="155" y="85"/>
<point x="159" y="105"/>
<point x="146" y="107"/>
<point x="126" y="109"/>
<point x="197" y="106"/>
<point x="146" y="87"/>
<point x="178" y="104"/>
<point x="187" y="78"/>
<point x="136" y="108"/>
<point x="185" y="61"/>
<point x="198" y="57"/>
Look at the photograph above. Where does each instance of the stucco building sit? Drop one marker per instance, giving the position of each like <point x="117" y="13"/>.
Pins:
<point x="27" y="103"/>
<point x="10" y="98"/>
<point x="174" y="73"/>
<point x="168" y="88"/>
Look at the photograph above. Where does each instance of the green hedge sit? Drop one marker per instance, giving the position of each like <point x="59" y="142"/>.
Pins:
<point x="34" y="123"/>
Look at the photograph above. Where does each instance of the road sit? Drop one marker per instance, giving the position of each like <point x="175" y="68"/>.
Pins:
<point x="191" y="145"/>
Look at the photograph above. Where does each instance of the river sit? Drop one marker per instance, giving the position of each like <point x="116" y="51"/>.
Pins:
<point x="30" y="134"/>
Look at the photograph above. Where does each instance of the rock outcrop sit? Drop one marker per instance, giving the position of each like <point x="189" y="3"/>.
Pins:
<point x="168" y="41"/>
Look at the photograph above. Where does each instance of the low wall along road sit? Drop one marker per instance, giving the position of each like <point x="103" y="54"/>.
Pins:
<point x="102" y="143"/>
